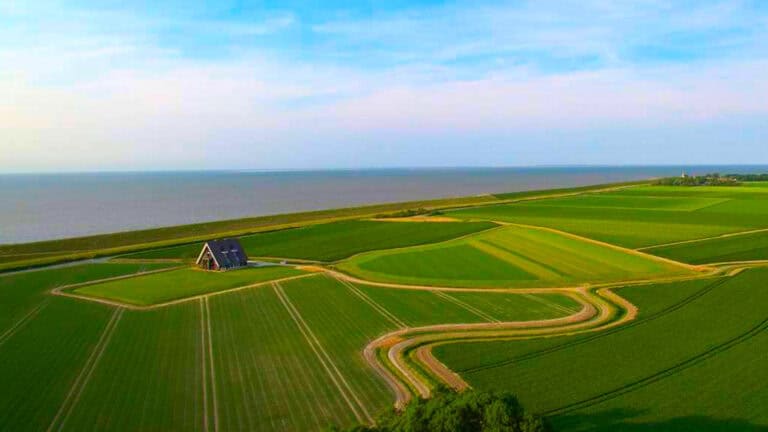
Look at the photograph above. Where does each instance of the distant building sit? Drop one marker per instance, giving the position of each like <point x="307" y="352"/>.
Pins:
<point x="223" y="254"/>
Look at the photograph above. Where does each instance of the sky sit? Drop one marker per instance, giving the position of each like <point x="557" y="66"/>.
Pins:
<point x="189" y="84"/>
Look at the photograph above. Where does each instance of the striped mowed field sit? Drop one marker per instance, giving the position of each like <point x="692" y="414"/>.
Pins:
<point x="509" y="256"/>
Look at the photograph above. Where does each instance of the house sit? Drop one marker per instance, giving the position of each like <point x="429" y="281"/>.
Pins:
<point x="225" y="254"/>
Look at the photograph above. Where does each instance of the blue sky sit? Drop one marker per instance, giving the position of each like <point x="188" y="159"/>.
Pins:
<point x="329" y="84"/>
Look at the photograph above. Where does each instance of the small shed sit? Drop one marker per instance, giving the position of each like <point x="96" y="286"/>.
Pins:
<point x="224" y="254"/>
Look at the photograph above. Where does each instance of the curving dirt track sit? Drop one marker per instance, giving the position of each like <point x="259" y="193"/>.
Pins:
<point x="403" y="357"/>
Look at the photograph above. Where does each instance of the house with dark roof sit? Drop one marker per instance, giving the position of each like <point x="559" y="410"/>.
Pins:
<point x="225" y="254"/>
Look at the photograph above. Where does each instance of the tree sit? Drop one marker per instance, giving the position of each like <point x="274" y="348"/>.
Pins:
<point x="468" y="411"/>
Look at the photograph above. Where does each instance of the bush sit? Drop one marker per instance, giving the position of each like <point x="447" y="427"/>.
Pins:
<point x="468" y="411"/>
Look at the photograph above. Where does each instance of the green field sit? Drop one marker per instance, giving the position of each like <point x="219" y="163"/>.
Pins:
<point x="334" y="241"/>
<point x="747" y="247"/>
<point x="418" y="308"/>
<point x="41" y="361"/>
<point x="149" y="377"/>
<point x="22" y="293"/>
<point x="641" y="216"/>
<point x="567" y="375"/>
<point x="511" y="256"/>
<point x="185" y="282"/>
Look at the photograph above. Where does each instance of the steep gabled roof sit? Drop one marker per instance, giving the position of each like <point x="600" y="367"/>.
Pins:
<point x="227" y="253"/>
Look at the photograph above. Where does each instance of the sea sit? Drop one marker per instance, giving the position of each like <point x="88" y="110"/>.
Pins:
<point x="36" y="207"/>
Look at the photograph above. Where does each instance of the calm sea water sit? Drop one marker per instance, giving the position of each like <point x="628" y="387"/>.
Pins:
<point x="41" y="207"/>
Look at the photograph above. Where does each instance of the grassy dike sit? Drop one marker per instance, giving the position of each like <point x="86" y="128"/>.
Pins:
<point x="19" y="256"/>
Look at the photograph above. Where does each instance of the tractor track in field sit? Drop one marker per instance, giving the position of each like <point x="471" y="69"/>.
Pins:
<point x="22" y="322"/>
<point x="350" y="396"/>
<point x="664" y="373"/>
<point x="80" y="383"/>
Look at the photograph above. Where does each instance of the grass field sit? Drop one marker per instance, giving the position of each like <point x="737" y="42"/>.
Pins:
<point x="184" y="282"/>
<point x="268" y="377"/>
<point x="40" y="362"/>
<point x="149" y="377"/>
<point x="418" y="308"/>
<point x="585" y="372"/>
<point x="21" y="293"/>
<point x="334" y="241"/>
<point x="511" y="256"/>
<point x="641" y="216"/>
<point x="745" y="247"/>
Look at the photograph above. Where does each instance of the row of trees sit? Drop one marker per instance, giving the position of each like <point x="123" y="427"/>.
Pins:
<point x="748" y="177"/>
<point x="705" y="180"/>
<point x="449" y="411"/>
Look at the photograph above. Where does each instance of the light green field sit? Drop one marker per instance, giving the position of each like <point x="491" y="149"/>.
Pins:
<point x="185" y="282"/>
<point x="580" y="381"/>
<point x="511" y="256"/>
<point x="641" y="216"/>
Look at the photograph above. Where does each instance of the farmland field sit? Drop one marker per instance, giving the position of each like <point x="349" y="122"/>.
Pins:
<point x="590" y="334"/>
<point x="149" y="377"/>
<point x="334" y="241"/>
<point x="40" y="362"/>
<point x="747" y="247"/>
<point x="610" y="368"/>
<point x="267" y="375"/>
<point x="20" y="293"/>
<point x="641" y="216"/>
<point x="510" y="256"/>
<point x="185" y="282"/>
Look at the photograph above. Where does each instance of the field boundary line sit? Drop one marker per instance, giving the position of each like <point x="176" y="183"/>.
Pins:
<point x="325" y="359"/>
<point x="211" y="364"/>
<point x="717" y="237"/>
<point x="204" y="365"/>
<point x="23" y="321"/>
<point x="379" y="308"/>
<point x="466" y="306"/>
<point x="116" y="303"/>
<point x="82" y="380"/>
<point x="62" y="289"/>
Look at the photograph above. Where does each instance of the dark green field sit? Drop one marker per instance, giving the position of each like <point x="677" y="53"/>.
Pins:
<point x="334" y="241"/>
<point x="745" y="247"/>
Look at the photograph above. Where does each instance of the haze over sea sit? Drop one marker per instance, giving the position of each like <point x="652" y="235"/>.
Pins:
<point x="49" y="206"/>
